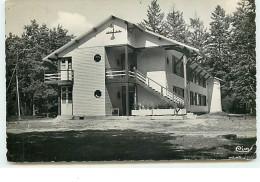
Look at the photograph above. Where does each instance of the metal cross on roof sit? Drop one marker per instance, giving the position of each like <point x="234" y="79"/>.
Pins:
<point x="113" y="31"/>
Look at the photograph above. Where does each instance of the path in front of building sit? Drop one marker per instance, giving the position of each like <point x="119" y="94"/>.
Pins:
<point x="207" y="137"/>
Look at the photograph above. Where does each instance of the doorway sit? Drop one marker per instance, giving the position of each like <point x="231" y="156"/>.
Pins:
<point x="131" y="61"/>
<point x="131" y="99"/>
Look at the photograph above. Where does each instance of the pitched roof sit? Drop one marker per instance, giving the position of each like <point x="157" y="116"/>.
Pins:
<point x="74" y="41"/>
<point x="77" y="39"/>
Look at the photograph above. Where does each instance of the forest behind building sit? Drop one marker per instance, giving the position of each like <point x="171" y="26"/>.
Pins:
<point x="227" y="50"/>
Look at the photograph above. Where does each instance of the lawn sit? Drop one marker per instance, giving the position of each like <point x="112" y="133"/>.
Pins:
<point x="205" y="138"/>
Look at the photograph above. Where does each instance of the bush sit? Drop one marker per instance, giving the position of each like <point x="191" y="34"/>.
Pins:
<point x="232" y="104"/>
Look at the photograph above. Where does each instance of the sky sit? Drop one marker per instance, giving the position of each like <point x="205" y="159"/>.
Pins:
<point x="79" y="15"/>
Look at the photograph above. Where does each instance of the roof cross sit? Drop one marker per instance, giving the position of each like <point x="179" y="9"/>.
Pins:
<point x="113" y="32"/>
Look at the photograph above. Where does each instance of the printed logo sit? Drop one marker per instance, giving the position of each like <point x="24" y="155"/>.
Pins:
<point x="242" y="149"/>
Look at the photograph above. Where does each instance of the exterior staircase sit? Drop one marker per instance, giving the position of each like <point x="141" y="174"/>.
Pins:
<point x="149" y="84"/>
<point x="156" y="88"/>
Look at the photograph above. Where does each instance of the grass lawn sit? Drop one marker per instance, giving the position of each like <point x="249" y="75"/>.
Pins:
<point x="206" y="138"/>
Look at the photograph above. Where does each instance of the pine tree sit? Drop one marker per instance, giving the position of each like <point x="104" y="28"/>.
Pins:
<point x="217" y="50"/>
<point x="155" y="17"/>
<point x="243" y="51"/>
<point x="198" y="34"/>
<point x="175" y="27"/>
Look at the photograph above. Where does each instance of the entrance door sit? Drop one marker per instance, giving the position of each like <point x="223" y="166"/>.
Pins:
<point x="130" y="101"/>
<point x="66" y="100"/>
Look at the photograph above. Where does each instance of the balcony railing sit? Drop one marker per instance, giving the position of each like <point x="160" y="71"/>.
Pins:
<point x="59" y="77"/>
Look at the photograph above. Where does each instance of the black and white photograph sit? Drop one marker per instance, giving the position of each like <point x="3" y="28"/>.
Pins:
<point x="140" y="80"/>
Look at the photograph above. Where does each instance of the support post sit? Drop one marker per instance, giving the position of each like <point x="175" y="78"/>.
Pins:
<point x="59" y="87"/>
<point x="135" y="85"/>
<point x="127" y="81"/>
<point x="186" y="102"/>
<point x="17" y="89"/>
<point x="59" y="101"/>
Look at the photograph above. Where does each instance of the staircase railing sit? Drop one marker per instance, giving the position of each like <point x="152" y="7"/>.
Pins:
<point x="147" y="81"/>
<point x="158" y="87"/>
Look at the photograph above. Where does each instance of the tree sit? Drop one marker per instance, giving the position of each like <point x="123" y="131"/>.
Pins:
<point x="155" y="17"/>
<point x="175" y="27"/>
<point x="217" y="50"/>
<point x="218" y="47"/>
<point x="11" y="44"/>
<point x="198" y="34"/>
<point x="243" y="50"/>
<point x="35" y="43"/>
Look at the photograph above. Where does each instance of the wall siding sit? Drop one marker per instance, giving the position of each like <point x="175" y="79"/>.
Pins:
<point x="108" y="102"/>
<point x="214" y="92"/>
<point x="88" y="77"/>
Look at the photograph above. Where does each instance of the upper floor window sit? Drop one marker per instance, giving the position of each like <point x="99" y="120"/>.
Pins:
<point x="69" y="64"/>
<point x="203" y="82"/>
<point x="97" y="58"/>
<point x="66" y="63"/>
<point x="177" y="67"/>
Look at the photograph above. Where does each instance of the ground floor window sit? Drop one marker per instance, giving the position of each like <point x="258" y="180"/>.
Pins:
<point x="178" y="91"/>
<point x="191" y="98"/>
<point x="66" y="94"/>
<point x="198" y="99"/>
<point x="204" y="100"/>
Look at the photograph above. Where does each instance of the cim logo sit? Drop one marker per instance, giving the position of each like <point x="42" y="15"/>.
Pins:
<point x="242" y="149"/>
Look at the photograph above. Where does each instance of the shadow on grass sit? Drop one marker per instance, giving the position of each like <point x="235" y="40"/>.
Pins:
<point x="105" y="146"/>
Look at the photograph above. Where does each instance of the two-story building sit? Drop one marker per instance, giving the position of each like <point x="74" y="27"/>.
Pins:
<point x="118" y="64"/>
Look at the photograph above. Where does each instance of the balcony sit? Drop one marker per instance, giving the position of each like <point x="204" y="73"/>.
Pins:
<point x="61" y="77"/>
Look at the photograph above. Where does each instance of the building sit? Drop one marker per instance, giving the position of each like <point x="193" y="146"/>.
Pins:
<point x="118" y="64"/>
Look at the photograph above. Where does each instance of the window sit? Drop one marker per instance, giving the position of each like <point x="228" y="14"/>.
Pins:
<point x="69" y="94"/>
<point x="66" y="63"/>
<point x="195" y="99"/>
<point x="197" y="78"/>
<point x="204" y="100"/>
<point x="97" y="58"/>
<point x="204" y="82"/>
<point x="66" y="95"/>
<point x="200" y="99"/>
<point x="97" y="93"/>
<point x="178" y="91"/>
<point x="191" y="98"/>
<point x="190" y="74"/>
<point x="63" y="64"/>
<point x="69" y="64"/>
<point x="174" y="65"/>
<point x="177" y="67"/>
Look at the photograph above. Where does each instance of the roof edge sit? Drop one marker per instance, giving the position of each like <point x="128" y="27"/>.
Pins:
<point x="73" y="41"/>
